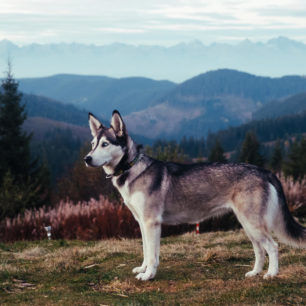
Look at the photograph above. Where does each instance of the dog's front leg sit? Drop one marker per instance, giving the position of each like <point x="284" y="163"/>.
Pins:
<point x="151" y="231"/>
<point x="143" y="267"/>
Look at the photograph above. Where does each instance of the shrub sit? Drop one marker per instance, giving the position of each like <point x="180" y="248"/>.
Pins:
<point x="295" y="192"/>
<point x="95" y="219"/>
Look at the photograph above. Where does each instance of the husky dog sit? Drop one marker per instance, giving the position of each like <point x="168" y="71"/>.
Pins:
<point x="159" y="192"/>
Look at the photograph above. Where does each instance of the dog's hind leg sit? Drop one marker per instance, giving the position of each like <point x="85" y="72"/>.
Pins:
<point x="272" y="249"/>
<point x="255" y="236"/>
<point x="262" y="241"/>
<point x="152" y="231"/>
<point x="259" y="259"/>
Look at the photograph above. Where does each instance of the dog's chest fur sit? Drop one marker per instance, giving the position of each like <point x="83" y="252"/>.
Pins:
<point x="134" y="199"/>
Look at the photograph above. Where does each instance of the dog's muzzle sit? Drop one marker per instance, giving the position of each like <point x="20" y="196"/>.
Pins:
<point x="88" y="159"/>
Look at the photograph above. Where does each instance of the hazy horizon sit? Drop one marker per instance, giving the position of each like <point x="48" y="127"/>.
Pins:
<point x="159" y="22"/>
<point x="187" y="42"/>
<point x="275" y="58"/>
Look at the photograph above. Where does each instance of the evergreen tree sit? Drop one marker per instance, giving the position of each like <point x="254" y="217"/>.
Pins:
<point x="277" y="158"/>
<point x="23" y="182"/>
<point x="250" y="151"/>
<point x="295" y="165"/>
<point x="14" y="143"/>
<point x="166" y="151"/>
<point x="217" y="154"/>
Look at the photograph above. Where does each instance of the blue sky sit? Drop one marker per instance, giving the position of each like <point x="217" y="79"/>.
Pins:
<point x="163" y="22"/>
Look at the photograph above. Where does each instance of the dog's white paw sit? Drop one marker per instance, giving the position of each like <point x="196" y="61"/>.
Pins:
<point x="140" y="269"/>
<point x="269" y="275"/>
<point x="145" y="276"/>
<point x="252" y="273"/>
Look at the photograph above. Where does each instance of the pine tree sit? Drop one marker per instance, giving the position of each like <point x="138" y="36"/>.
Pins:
<point x="166" y="151"/>
<point x="277" y="158"/>
<point x="295" y="165"/>
<point x="23" y="182"/>
<point x="217" y="154"/>
<point x="14" y="143"/>
<point x="250" y="151"/>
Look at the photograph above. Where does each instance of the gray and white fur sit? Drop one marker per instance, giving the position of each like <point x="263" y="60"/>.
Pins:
<point x="159" y="193"/>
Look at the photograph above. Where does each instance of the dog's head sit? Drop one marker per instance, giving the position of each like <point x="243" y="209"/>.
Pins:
<point x="108" y="144"/>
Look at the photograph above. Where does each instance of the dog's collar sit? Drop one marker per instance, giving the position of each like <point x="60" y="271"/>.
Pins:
<point x="126" y="167"/>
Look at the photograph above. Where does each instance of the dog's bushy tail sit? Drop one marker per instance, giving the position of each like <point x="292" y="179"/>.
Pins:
<point x="289" y="231"/>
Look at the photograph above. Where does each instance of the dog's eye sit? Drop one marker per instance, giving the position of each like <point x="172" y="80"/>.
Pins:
<point x="104" y="144"/>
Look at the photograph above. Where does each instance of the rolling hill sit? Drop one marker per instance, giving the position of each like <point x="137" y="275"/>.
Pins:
<point x="99" y="94"/>
<point x="278" y="108"/>
<point x="267" y="130"/>
<point x="38" y="106"/>
<point x="210" y="102"/>
<point x="160" y="109"/>
<point x="41" y="126"/>
<point x="45" y="115"/>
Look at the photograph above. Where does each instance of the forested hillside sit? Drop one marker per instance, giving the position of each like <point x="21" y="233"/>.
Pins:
<point x="161" y="109"/>
<point x="278" y="108"/>
<point x="266" y="130"/>
<point x="99" y="94"/>
<point x="38" y="106"/>
<point x="235" y="83"/>
<point x="212" y="101"/>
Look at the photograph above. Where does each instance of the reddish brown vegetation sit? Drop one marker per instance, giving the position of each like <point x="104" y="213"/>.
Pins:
<point x="295" y="192"/>
<point x="96" y="219"/>
<point x="100" y="219"/>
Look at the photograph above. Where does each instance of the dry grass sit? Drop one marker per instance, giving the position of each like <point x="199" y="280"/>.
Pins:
<point x="207" y="269"/>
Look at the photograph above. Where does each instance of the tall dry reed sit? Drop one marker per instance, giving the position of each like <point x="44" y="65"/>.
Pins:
<point x="96" y="219"/>
<point x="295" y="192"/>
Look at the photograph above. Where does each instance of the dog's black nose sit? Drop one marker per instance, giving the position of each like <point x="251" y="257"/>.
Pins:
<point x="87" y="159"/>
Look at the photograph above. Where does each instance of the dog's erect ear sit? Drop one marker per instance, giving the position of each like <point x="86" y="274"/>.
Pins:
<point x="94" y="124"/>
<point x="118" y="124"/>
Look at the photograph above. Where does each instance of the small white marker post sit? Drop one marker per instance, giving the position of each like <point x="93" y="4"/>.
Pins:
<point x="48" y="230"/>
<point x="197" y="229"/>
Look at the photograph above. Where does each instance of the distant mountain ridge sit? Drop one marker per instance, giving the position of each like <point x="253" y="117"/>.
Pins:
<point x="45" y="115"/>
<point x="212" y="101"/>
<point x="234" y="83"/>
<point x="99" y="94"/>
<point x="38" y="106"/>
<point x="276" y="57"/>
<point x="160" y="109"/>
